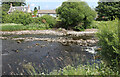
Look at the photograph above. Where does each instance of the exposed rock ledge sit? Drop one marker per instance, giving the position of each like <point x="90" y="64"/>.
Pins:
<point x="84" y="38"/>
<point x="64" y="41"/>
<point x="88" y="32"/>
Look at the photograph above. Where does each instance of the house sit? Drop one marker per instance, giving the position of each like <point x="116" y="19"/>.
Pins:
<point x="47" y="12"/>
<point x="19" y="8"/>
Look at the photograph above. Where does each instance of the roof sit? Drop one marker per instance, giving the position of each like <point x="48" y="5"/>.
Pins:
<point x="46" y="11"/>
<point x="19" y="8"/>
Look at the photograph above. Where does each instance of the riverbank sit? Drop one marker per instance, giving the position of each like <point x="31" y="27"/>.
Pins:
<point x="66" y="37"/>
<point x="87" y="32"/>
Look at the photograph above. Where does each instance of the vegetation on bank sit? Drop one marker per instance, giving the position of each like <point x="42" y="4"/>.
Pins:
<point x="109" y="40"/>
<point x="19" y="27"/>
<point x="26" y="22"/>
<point x="19" y="17"/>
<point x="75" y="15"/>
<point x="99" y="68"/>
<point x="93" y="69"/>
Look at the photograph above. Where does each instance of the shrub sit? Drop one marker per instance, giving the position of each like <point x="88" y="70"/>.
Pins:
<point x="51" y="21"/>
<point x="37" y="20"/>
<point x="18" y="17"/>
<point x="109" y="42"/>
<point x="74" y="13"/>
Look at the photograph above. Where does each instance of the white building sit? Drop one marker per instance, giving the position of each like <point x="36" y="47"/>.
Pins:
<point x="19" y="8"/>
<point x="46" y="12"/>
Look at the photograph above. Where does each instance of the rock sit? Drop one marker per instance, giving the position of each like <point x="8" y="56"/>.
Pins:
<point x="37" y="44"/>
<point x="42" y="46"/>
<point x="16" y="50"/>
<point x="18" y="41"/>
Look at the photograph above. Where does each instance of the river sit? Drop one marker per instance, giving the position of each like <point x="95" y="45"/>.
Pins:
<point x="44" y="56"/>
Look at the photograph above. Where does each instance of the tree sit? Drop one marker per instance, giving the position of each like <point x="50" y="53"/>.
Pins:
<point x="35" y="8"/>
<point x="108" y="10"/>
<point x="75" y="13"/>
<point x="49" y="20"/>
<point x="35" y="11"/>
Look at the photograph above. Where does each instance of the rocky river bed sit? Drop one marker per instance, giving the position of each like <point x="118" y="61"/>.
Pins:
<point x="46" y="52"/>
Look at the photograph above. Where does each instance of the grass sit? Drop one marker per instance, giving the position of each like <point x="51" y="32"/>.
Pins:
<point x="93" y="69"/>
<point x="96" y="24"/>
<point x="12" y="27"/>
<point x="19" y="27"/>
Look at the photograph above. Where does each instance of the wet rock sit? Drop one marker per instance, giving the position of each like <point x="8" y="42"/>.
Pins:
<point x="18" y="41"/>
<point x="42" y="46"/>
<point x="37" y="44"/>
<point x="16" y="50"/>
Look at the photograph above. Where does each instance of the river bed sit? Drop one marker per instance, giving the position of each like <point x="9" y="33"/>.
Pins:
<point x="43" y="55"/>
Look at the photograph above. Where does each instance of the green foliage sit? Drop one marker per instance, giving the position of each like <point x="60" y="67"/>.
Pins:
<point x="94" y="69"/>
<point x="79" y="28"/>
<point x="35" y="8"/>
<point x="18" y="17"/>
<point x="18" y="27"/>
<point x="110" y="44"/>
<point x="51" y="21"/>
<point x="108" y="10"/>
<point x="37" y="20"/>
<point x="35" y="12"/>
<point x="74" y="13"/>
<point x="96" y="24"/>
<point x="89" y="69"/>
<point x="36" y="27"/>
<point x="12" y="27"/>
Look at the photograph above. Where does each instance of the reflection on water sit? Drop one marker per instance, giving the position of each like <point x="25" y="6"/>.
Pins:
<point x="46" y="56"/>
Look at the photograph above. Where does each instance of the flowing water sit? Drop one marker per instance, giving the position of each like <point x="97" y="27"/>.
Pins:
<point x="43" y="55"/>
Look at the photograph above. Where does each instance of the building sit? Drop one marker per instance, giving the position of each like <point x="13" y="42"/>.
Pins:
<point x="19" y="8"/>
<point x="46" y="12"/>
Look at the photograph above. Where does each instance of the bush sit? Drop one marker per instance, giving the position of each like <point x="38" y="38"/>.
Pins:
<point x="37" y="20"/>
<point x="74" y="13"/>
<point x="18" y="17"/>
<point x="47" y="19"/>
<point x="110" y="44"/>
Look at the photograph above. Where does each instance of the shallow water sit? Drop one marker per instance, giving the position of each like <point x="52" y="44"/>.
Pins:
<point x="45" y="56"/>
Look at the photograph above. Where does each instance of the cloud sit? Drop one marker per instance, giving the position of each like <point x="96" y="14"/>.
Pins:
<point x="46" y="6"/>
<point x="90" y="0"/>
<point x="33" y="4"/>
<point x="58" y="6"/>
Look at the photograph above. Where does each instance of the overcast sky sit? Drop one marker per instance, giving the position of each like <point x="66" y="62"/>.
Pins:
<point x="53" y="4"/>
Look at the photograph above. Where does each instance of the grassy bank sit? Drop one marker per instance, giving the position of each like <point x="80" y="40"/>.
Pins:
<point x="18" y="27"/>
<point x="96" y="24"/>
<point x="89" y="69"/>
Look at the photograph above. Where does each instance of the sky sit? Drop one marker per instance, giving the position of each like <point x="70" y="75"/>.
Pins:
<point x="53" y="4"/>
